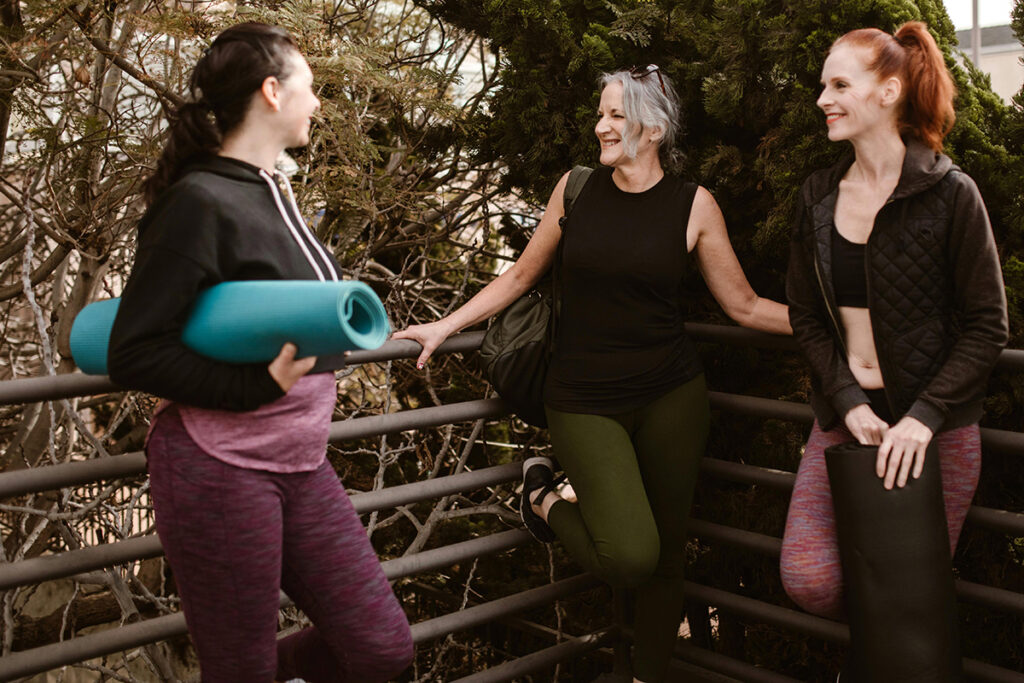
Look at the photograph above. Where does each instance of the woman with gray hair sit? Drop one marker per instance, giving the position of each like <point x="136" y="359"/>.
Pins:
<point x="625" y="396"/>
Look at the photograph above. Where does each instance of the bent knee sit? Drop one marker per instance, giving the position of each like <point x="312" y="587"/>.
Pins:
<point x="385" y="656"/>
<point x="629" y="567"/>
<point x="816" y="588"/>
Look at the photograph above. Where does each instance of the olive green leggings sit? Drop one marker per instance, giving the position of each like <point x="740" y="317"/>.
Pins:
<point x="633" y="474"/>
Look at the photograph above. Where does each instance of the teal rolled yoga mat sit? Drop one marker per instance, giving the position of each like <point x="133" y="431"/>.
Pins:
<point x="249" y="322"/>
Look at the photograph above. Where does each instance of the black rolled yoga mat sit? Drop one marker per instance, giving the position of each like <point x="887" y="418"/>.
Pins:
<point x="897" y="571"/>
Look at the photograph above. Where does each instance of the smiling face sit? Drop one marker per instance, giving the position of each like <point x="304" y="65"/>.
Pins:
<point x="297" y="101"/>
<point x="613" y="130"/>
<point x="611" y="125"/>
<point x="855" y="102"/>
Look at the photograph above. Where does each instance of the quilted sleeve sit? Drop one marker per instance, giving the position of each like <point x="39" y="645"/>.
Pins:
<point x="980" y="300"/>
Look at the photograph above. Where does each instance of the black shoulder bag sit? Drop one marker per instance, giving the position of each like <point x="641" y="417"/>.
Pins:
<point x="516" y="350"/>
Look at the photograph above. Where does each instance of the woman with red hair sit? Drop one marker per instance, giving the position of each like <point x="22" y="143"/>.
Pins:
<point x="896" y="298"/>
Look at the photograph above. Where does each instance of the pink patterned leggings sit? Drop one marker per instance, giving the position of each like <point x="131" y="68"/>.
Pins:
<point x="235" y="537"/>
<point x="810" y="568"/>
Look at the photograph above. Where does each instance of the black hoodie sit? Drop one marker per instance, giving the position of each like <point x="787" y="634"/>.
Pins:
<point x="223" y="220"/>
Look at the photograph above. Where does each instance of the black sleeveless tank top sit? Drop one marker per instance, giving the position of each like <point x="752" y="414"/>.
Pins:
<point x="620" y="341"/>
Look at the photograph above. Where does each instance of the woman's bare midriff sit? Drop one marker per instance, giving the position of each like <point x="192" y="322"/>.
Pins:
<point x="860" y="345"/>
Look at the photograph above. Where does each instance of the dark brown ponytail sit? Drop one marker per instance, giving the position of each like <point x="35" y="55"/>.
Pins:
<point x="221" y="87"/>
<point x="913" y="57"/>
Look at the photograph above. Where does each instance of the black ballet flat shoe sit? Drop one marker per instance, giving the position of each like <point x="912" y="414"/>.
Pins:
<point x="538" y="481"/>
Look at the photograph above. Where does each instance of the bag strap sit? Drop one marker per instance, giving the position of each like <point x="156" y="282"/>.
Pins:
<point x="578" y="177"/>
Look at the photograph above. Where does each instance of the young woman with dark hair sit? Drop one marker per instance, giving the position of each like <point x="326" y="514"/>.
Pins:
<point x="895" y="292"/>
<point x="246" y="503"/>
<point x="625" y="396"/>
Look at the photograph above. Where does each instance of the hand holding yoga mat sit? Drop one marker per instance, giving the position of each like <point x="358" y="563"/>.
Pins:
<point x="249" y="322"/>
<point x="897" y="571"/>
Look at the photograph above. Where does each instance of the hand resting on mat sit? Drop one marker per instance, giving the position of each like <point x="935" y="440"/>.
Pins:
<point x="865" y="425"/>
<point x="904" y="445"/>
<point x="285" y="370"/>
<point x="899" y="447"/>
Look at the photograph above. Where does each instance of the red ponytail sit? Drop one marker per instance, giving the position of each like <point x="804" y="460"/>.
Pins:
<point x="913" y="57"/>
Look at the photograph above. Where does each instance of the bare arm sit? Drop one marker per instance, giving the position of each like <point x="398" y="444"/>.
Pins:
<point x="706" y="235"/>
<point x="503" y="290"/>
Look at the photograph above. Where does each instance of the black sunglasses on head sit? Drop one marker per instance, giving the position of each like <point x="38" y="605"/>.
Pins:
<point x="641" y="72"/>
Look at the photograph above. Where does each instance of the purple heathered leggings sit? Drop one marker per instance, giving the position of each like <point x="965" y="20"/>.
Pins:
<point x="810" y="568"/>
<point x="235" y="536"/>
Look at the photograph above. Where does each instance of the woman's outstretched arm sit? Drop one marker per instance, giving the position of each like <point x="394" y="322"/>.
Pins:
<point x="706" y="235"/>
<point x="503" y="290"/>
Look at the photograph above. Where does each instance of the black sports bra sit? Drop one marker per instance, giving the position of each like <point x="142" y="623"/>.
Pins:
<point x="848" y="277"/>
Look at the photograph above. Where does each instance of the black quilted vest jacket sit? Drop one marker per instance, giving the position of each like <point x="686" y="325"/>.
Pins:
<point x="935" y="294"/>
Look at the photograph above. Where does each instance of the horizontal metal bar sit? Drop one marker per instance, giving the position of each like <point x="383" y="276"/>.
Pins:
<point x="990" y="596"/>
<point x="1002" y="441"/>
<point x="719" y="663"/>
<point x="818" y="627"/>
<point x="742" y="473"/>
<point x="128" y="636"/>
<point x="116" y="639"/>
<point x="994" y="440"/>
<point x="741" y="538"/>
<point x="396" y="349"/>
<point x="53" y="387"/>
<point x="69" y="563"/>
<point x="502" y="607"/>
<point x="84" y="472"/>
<point x="436" y="558"/>
<point x="49" y="477"/>
<point x="65" y="564"/>
<point x="735" y="335"/>
<point x="430" y="489"/>
<point x="542" y="659"/>
<point x="69" y="385"/>
<point x="976" y="593"/>
<point x="1009" y="359"/>
<point x="764" y="408"/>
<point x="1002" y="521"/>
<point x="78" y="473"/>
<point x="993" y="519"/>
<point x="418" y="418"/>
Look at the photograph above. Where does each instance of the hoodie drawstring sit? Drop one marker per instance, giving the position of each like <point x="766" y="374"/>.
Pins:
<point x="294" y="231"/>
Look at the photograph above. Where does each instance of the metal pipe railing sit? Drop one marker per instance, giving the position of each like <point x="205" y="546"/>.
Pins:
<point x="53" y="387"/>
<point x="161" y="628"/>
<point x="818" y="627"/>
<point x="128" y="636"/>
<point x="69" y="563"/>
<point x="1002" y="521"/>
<point x="487" y="612"/>
<point x="38" y="479"/>
<point x="542" y="659"/>
<point x="86" y="559"/>
<point x="722" y="664"/>
<point x="77" y="473"/>
<point x="976" y="593"/>
<point x="48" y="388"/>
